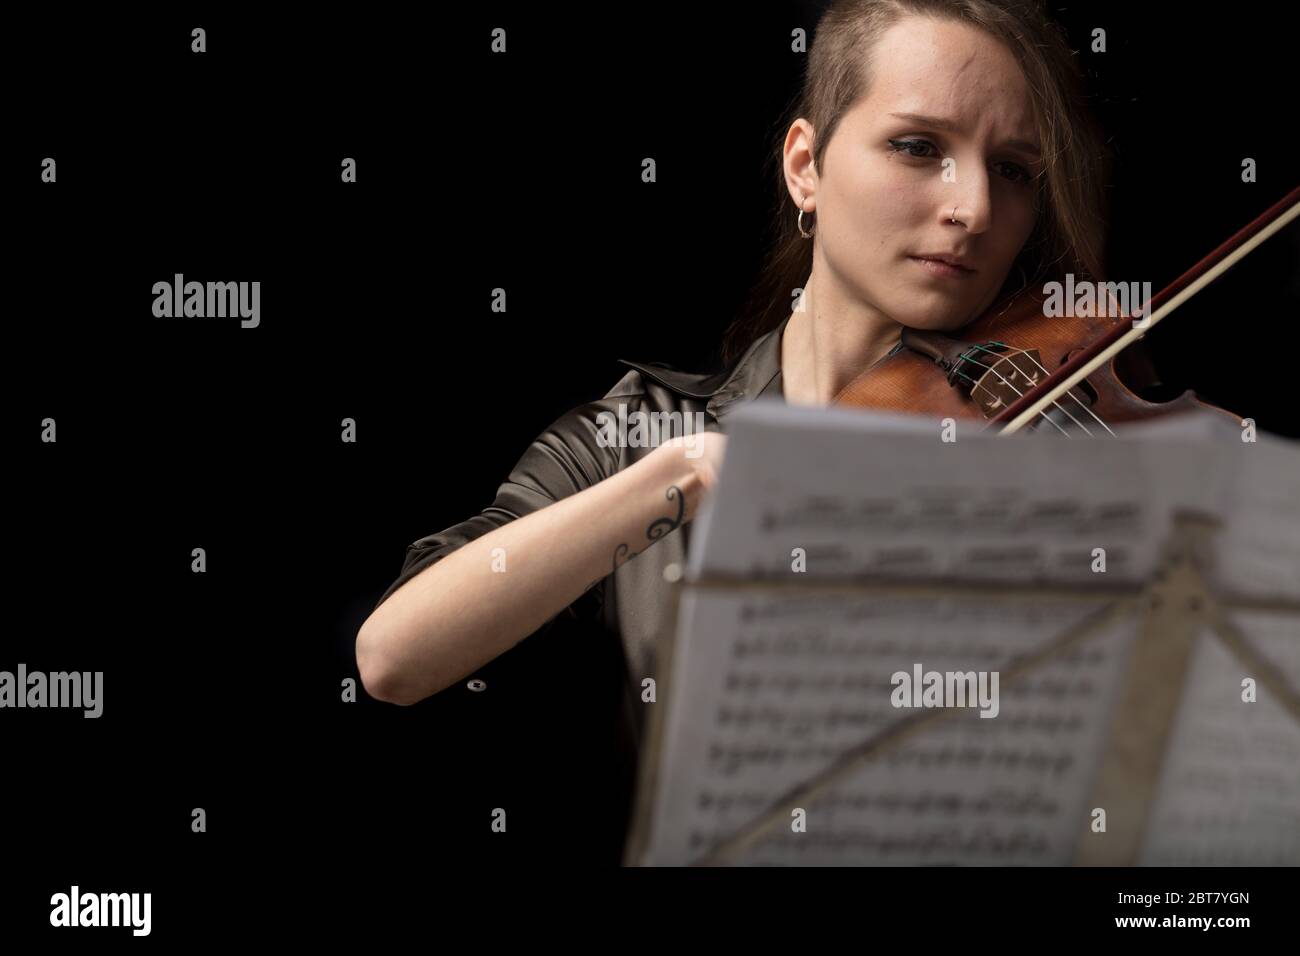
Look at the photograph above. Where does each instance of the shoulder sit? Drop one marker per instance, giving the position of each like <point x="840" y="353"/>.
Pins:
<point x="643" y="387"/>
<point x="718" y="391"/>
<point x="643" y="377"/>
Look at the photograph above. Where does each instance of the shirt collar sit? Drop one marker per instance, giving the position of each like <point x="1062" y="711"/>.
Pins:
<point x="756" y="369"/>
<point x="749" y="377"/>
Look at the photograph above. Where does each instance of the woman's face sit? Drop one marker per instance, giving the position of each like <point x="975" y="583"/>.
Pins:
<point x="888" y="184"/>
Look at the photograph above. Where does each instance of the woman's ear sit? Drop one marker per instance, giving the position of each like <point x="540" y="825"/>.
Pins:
<point x="799" y="165"/>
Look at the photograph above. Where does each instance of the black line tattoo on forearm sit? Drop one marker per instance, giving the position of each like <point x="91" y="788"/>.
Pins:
<point x="657" y="529"/>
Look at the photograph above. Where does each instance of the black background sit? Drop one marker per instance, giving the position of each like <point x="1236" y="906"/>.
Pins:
<point x="475" y="171"/>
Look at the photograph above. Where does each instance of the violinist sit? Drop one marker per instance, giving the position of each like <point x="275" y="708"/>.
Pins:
<point x="939" y="160"/>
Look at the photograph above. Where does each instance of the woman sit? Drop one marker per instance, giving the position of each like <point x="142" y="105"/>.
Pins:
<point x="927" y="130"/>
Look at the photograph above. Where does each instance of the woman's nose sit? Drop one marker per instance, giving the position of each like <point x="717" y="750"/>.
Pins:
<point x="968" y="204"/>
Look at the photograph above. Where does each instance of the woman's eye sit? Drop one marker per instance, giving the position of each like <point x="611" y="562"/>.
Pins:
<point x="1016" y="173"/>
<point x="917" y="147"/>
<point x="910" y="146"/>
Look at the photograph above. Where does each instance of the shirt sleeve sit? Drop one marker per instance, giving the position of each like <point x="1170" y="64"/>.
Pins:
<point x="564" y="459"/>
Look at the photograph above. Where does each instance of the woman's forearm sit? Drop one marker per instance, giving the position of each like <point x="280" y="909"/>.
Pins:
<point x="477" y="602"/>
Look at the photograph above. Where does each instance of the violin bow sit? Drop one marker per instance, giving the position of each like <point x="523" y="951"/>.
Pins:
<point x="1031" y="405"/>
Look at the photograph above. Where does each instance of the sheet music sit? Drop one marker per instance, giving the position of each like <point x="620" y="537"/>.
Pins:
<point x="873" y="494"/>
<point x="778" y="687"/>
<point x="769" y="688"/>
<point x="1229" y="793"/>
<point x="1259" y="550"/>
<point x="1201" y="463"/>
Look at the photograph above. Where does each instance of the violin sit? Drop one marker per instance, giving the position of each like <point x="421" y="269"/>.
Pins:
<point x="1019" y="365"/>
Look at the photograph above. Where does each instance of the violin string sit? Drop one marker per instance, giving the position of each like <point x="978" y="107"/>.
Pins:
<point x="1008" y="357"/>
<point x="1082" y="404"/>
<point x="1013" y="388"/>
<point x="1008" y="384"/>
<point x="1011" y="360"/>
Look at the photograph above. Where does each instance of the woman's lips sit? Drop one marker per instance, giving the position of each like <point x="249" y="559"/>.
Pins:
<point x="938" y="268"/>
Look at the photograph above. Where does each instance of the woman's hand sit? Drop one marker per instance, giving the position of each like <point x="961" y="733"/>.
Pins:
<point x="693" y="462"/>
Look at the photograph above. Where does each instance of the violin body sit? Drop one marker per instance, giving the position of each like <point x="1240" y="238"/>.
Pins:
<point x="993" y="360"/>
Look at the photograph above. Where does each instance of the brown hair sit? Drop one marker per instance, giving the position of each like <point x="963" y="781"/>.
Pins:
<point x="1071" y="194"/>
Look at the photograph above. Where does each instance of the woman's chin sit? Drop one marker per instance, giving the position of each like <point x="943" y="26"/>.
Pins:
<point x="939" y="320"/>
